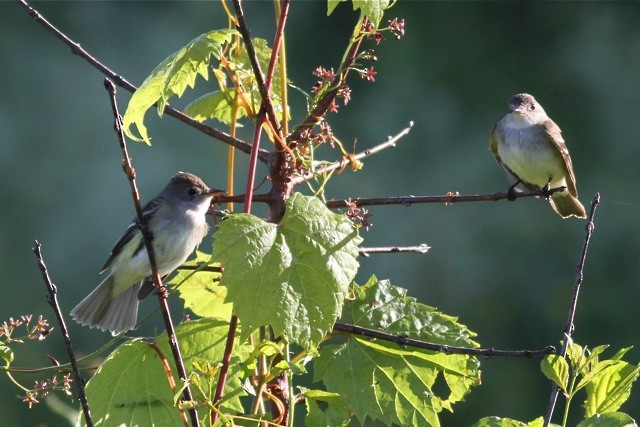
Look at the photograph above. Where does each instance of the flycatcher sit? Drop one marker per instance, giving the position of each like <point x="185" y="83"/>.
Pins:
<point x="529" y="148"/>
<point x="176" y="219"/>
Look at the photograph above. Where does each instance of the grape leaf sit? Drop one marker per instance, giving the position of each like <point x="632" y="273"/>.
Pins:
<point x="384" y="382"/>
<point x="130" y="387"/>
<point x="380" y="305"/>
<point x="371" y="9"/>
<point x="201" y="290"/>
<point x="172" y="77"/>
<point x="324" y="408"/>
<point x="294" y="275"/>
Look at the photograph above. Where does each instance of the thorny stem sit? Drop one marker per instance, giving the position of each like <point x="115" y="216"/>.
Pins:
<point x="569" y="326"/>
<point x="421" y="249"/>
<point x="148" y="242"/>
<point x="447" y="199"/>
<point x="52" y="299"/>
<point x="404" y="341"/>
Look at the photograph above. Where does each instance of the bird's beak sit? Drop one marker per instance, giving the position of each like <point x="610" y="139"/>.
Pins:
<point x="517" y="110"/>
<point x="213" y="192"/>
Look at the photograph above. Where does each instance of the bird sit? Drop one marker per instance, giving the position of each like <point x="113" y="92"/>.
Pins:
<point x="530" y="149"/>
<point x="176" y="219"/>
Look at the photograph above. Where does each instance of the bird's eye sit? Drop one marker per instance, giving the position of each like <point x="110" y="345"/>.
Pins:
<point x="532" y="107"/>
<point x="191" y="191"/>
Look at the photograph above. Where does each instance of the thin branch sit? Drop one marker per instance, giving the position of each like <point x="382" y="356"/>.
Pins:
<point x="76" y="49"/>
<point x="569" y="326"/>
<point x="404" y="341"/>
<point x="52" y="299"/>
<point x="389" y="143"/>
<point x="147" y="238"/>
<point x="263" y="88"/>
<point x="447" y="199"/>
<point x="421" y="249"/>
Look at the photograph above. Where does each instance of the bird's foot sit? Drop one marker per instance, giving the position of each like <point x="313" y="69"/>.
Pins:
<point x="546" y="191"/>
<point x="511" y="193"/>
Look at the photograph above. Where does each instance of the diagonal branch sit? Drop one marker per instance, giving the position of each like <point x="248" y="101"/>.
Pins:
<point x="263" y="87"/>
<point x="448" y="199"/>
<point x="76" y="49"/>
<point x="148" y="242"/>
<point x="389" y="143"/>
<point x="404" y="341"/>
<point x="569" y="326"/>
<point x="52" y="299"/>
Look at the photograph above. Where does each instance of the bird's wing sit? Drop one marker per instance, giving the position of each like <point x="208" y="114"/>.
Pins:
<point x="128" y="234"/>
<point x="494" y="138"/>
<point x="554" y="135"/>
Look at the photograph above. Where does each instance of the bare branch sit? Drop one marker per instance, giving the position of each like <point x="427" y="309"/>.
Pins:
<point x="76" y="49"/>
<point x="421" y="249"/>
<point x="569" y="326"/>
<point x="147" y="238"/>
<point x="404" y="341"/>
<point x="447" y="199"/>
<point x="52" y="299"/>
<point x="389" y="143"/>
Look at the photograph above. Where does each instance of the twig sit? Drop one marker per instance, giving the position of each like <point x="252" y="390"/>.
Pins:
<point x="421" y="249"/>
<point x="447" y="199"/>
<point x="404" y="341"/>
<point x="76" y="49"/>
<point x="147" y="238"/>
<point x="389" y="143"/>
<point x="263" y="86"/>
<point x="52" y="299"/>
<point x="569" y="326"/>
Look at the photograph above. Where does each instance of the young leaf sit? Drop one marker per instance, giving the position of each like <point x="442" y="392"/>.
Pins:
<point x="6" y="354"/>
<point x="172" y="77"/>
<point x="384" y="382"/>
<point x="612" y="419"/>
<point x="131" y="387"/>
<point x="499" y="422"/>
<point x="611" y="388"/>
<point x="216" y="105"/>
<point x="372" y="9"/>
<point x="556" y="368"/>
<point x="201" y="290"/>
<point x="294" y="275"/>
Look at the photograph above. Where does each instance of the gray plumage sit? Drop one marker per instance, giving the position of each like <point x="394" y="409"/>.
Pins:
<point x="176" y="219"/>
<point x="530" y="149"/>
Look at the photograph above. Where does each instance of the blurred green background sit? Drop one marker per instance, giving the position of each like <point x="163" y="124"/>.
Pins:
<point x="505" y="269"/>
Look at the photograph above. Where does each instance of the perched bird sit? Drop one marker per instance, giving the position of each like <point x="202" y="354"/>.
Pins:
<point x="176" y="219"/>
<point x="529" y="148"/>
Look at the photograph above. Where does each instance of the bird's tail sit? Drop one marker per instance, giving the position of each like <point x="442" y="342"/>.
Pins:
<point x="100" y="309"/>
<point x="567" y="205"/>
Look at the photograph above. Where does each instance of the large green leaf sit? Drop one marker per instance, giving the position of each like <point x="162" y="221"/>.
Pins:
<point x="172" y="77"/>
<point x="294" y="275"/>
<point x="385" y="382"/>
<point x="380" y="305"/>
<point x="130" y="388"/>
<point x="201" y="290"/>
